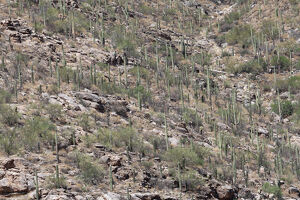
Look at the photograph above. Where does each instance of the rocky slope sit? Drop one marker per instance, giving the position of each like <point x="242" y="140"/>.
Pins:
<point x="143" y="100"/>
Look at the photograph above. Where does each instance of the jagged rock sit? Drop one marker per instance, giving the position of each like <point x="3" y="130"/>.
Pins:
<point x="263" y="131"/>
<point x="105" y="159"/>
<point x="245" y="194"/>
<point x="226" y="192"/>
<point x="57" y="197"/>
<point x="111" y="196"/>
<point x="8" y="163"/>
<point x="114" y="59"/>
<point x="145" y="196"/>
<point x="294" y="190"/>
<point x="14" y="177"/>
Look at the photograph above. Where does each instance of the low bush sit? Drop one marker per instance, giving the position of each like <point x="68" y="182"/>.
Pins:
<point x="184" y="156"/>
<point x="292" y="84"/>
<point x="253" y="66"/>
<point x="37" y="131"/>
<point x="239" y="35"/>
<point x="5" y="96"/>
<point x="270" y="29"/>
<point x="286" y="108"/>
<point x="281" y="62"/>
<point x="54" y="111"/>
<point x="9" y="142"/>
<point x="272" y="189"/>
<point x="90" y="172"/>
<point x="8" y="115"/>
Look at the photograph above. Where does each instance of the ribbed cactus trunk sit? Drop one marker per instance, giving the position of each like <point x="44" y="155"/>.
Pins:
<point x="37" y="186"/>
<point x="111" y="182"/>
<point x="166" y="132"/>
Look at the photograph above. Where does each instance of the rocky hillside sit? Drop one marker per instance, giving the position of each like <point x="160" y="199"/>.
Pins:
<point x="149" y="100"/>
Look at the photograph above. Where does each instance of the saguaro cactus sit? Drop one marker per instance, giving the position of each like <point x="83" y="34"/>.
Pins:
<point x="111" y="181"/>
<point x="37" y="186"/>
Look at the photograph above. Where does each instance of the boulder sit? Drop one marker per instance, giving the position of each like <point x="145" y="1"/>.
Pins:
<point x="14" y="178"/>
<point x="226" y="192"/>
<point x="146" y="196"/>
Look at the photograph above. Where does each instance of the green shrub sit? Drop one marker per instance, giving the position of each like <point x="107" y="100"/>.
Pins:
<point x="52" y="182"/>
<point x="190" y="118"/>
<point x="66" y="74"/>
<point x="121" y="137"/>
<point x="125" y="42"/>
<point x="147" y="164"/>
<point x="286" y="108"/>
<point x="297" y="112"/>
<point x="91" y="173"/>
<point x="5" y="96"/>
<point x="239" y="35"/>
<point x="183" y="156"/>
<point x="8" y="115"/>
<point x="54" y="111"/>
<point x="272" y="189"/>
<point x="144" y="94"/>
<point x="9" y="142"/>
<point x="253" y="66"/>
<point x="84" y="122"/>
<point x="37" y="131"/>
<point x="144" y="73"/>
<point x="270" y="29"/>
<point x="294" y="2"/>
<point x="292" y="83"/>
<point x="282" y="62"/>
<point x="191" y="180"/>
<point x="56" y="24"/>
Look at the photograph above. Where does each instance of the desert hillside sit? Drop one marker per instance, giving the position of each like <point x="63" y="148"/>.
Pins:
<point x="149" y="99"/>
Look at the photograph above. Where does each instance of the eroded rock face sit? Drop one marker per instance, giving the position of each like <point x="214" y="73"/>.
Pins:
<point x="146" y="196"/>
<point x="226" y="192"/>
<point x="104" y="103"/>
<point x="14" y="177"/>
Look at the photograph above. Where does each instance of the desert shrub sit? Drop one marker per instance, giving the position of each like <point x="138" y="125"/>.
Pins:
<point x="297" y="112"/>
<point x="125" y="42"/>
<point x="84" y="122"/>
<point x="146" y="10"/>
<point x="147" y="165"/>
<point x="112" y="88"/>
<point x="56" y="24"/>
<point x="184" y="156"/>
<point x="191" y="118"/>
<point x="239" y="35"/>
<point x="286" y="108"/>
<point x="144" y="73"/>
<point x="54" y="111"/>
<point x="37" y="131"/>
<point x="272" y="189"/>
<point x="66" y="74"/>
<point x="8" y="115"/>
<point x="231" y="17"/>
<point x="191" y="181"/>
<point x="294" y="2"/>
<point x="5" y="96"/>
<point x="270" y="29"/>
<point x="144" y="94"/>
<point x="203" y="58"/>
<point x="90" y="172"/>
<point x="282" y="62"/>
<point x="9" y="142"/>
<point x="292" y="84"/>
<point x="121" y="137"/>
<point x="158" y="143"/>
<point x="53" y="181"/>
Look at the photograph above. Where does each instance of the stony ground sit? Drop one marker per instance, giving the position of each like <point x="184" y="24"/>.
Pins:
<point x="143" y="100"/>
